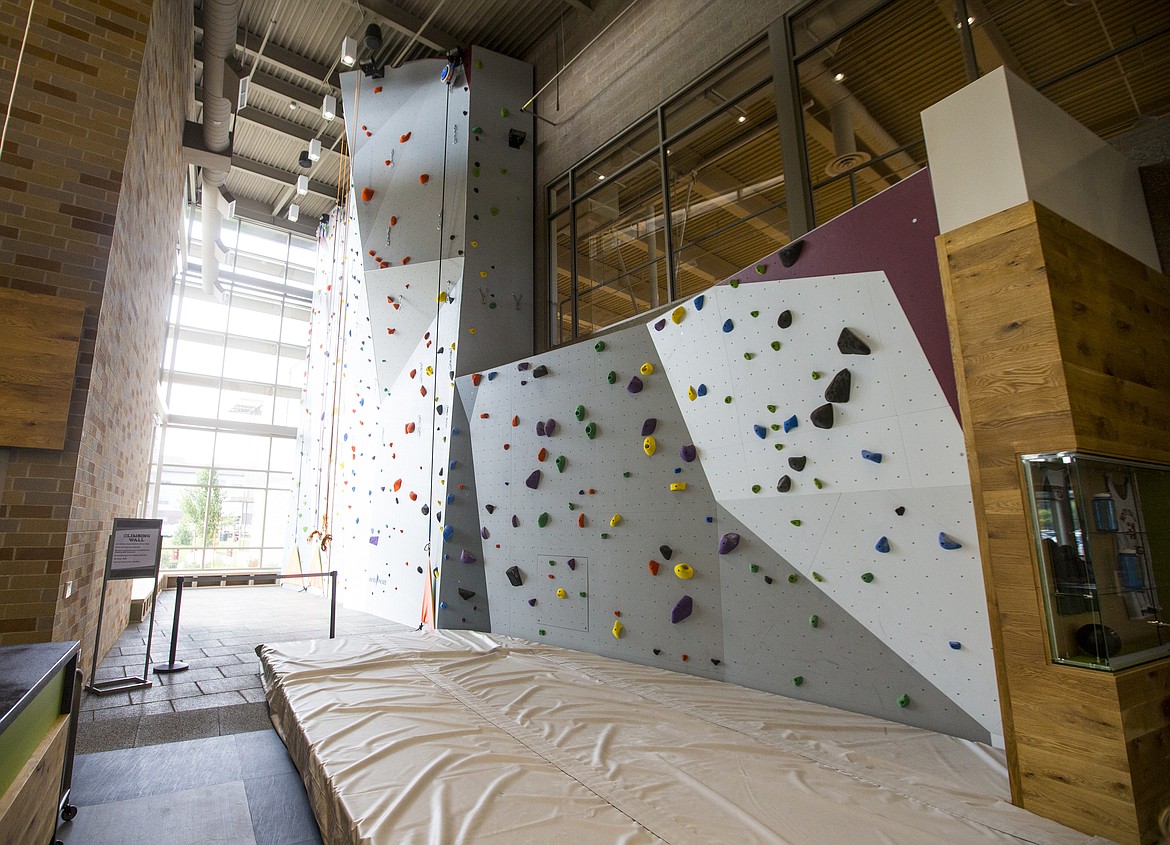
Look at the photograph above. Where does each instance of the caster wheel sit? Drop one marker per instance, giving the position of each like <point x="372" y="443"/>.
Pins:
<point x="68" y="812"/>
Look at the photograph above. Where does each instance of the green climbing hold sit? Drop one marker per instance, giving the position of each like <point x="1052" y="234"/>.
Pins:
<point x="775" y="426"/>
<point x="755" y="488"/>
<point x="626" y="474"/>
<point x="727" y="400"/>
<point x="772" y="408"/>
<point x="581" y="594"/>
<point x="493" y="211"/>
<point x="816" y="374"/>
<point x="491" y="306"/>
<point x="747" y="356"/>
<point x="755" y="313"/>
<point x="541" y="632"/>
<point x="817" y="577"/>
<point x="580" y="412"/>
<point x="795" y="522"/>
<point x="478" y="66"/>
<point x="761" y="269"/>
<point x="504" y="112"/>
<point x="503" y="171"/>
<point x="542" y="520"/>
<point x="776" y="345"/>
<point x="793" y="578"/>
<point x="734" y="283"/>
<point x="867" y="577"/>
<point x="599" y="346"/>
<point x="591" y="430"/>
<point x="605" y="536"/>
<point x="818" y="483"/>
<point x="779" y="446"/>
<point x="572" y="506"/>
<point x="814" y="621"/>
<point x="903" y="700"/>
<point x="561" y="463"/>
<point x="477" y="130"/>
<point x="475" y="171"/>
<point x="552" y="563"/>
<point x="755" y="567"/>
<point x="798" y="680"/>
<point x="612" y="377"/>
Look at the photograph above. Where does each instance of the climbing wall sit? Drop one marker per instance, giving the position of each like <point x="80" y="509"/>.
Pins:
<point x="392" y="327"/>
<point x="766" y="484"/>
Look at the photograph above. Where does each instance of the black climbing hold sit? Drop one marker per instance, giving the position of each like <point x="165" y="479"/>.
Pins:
<point x="785" y="319"/>
<point x="514" y="576"/>
<point x="532" y="602"/>
<point x="490" y="508"/>
<point x="716" y="661"/>
<point x="839" y="387"/>
<point x="851" y="344"/>
<point x="784" y="484"/>
<point x="822" y="417"/>
<point x="666" y="551"/>
<point x="900" y="510"/>
<point x="658" y="651"/>
<point x="572" y="563"/>
<point x="648" y="426"/>
<point x="790" y="253"/>
<point x="540" y="372"/>
<point x="768" y="579"/>
<point x="797" y="463"/>
<point x="522" y="366"/>
<point x="426" y="509"/>
<point x="466" y="594"/>
<point x="515" y="521"/>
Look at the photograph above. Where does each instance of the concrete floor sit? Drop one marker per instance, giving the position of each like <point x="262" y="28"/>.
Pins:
<point x="220" y="694"/>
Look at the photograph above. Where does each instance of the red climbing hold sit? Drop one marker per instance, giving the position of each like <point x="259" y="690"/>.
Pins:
<point x="653" y="567"/>
<point x="422" y="390"/>
<point x="542" y="454"/>
<point x="515" y="421"/>
<point x="423" y="178"/>
<point x="476" y="378"/>
<point x="413" y="373"/>
<point x="377" y="89"/>
<point x="581" y="520"/>
<point x="388" y="162"/>
<point x="413" y="496"/>
<point x="484" y="416"/>
<point x="507" y="446"/>
<point x="367" y="194"/>
<point x="617" y="613"/>
<point x="404" y="138"/>
<point x="364" y="127"/>
<point x="406" y="260"/>
<point x="393" y="220"/>
<point x="410" y="428"/>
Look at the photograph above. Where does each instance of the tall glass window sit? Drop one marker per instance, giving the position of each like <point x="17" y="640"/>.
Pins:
<point x="230" y="399"/>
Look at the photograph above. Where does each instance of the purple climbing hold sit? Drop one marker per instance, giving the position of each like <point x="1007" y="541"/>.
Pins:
<point x="876" y="457"/>
<point x="532" y="602"/>
<point x="948" y="543"/>
<point x="635" y="385"/>
<point x="483" y="533"/>
<point x="515" y="521"/>
<point x="514" y="576"/>
<point x="533" y="480"/>
<point x="374" y="540"/>
<point x="550" y="426"/>
<point x="688" y="452"/>
<point x="467" y="557"/>
<point x="649" y="426"/>
<point x="540" y="372"/>
<point x="522" y="366"/>
<point x="540" y="428"/>
<point x="791" y="423"/>
<point x="682" y="610"/>
<point x="728" y="325"/>
<point x="760" y="431"/>
<point x="571" y="563"/>
<point x="728" y="542"/>
<point x="883" y="545"/>
<point x="660" y="325"/>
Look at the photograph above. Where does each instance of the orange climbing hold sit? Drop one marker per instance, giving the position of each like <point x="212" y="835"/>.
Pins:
<point x="581" y="520"/>
<point x="390" y="331"/>
<point x="393" y="220"/>
<point x="382" y="265"/>
<point x="388" y="162"/>
<point x="397" y="485"/>
<point x="406" y="260"/>
<point x="515" y="421"/>
<point x="367" y="194"/>
<point x="377" y="89"/>
<point x="373" y="253"/>
<point x="592" y="492"/>
<point x="364" y="127"/>
<point x="423" y="178"/>
<point x="484" y="416"/>
<point x="476" y="378"/>
<point x="413" y="496"/>
<point x="653" y="567"/>
<point x="410" y="428"/>
<point x="404" y="138"/>
<point x="542" y="455"/>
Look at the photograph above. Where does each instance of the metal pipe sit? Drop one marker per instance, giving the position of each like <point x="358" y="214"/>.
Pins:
<point x="402" y="53"/>
<point x="333" y="604"/>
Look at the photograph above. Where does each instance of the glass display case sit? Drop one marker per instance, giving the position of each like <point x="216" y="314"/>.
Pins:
<point x="1102" y="533"/>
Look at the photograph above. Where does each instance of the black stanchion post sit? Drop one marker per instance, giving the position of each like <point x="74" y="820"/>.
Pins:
<point x="333" y="604"/>
<point x="173" y="665"/>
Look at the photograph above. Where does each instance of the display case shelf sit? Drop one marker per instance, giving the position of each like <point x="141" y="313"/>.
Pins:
<point x="1102" y="533"/>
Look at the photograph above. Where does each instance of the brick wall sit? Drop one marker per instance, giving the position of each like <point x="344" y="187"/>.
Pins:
<point x="90" y="198"/>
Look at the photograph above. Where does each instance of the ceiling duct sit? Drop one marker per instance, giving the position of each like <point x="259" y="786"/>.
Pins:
<point x="845" y="153"/>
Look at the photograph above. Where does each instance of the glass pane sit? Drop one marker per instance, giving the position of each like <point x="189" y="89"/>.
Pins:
<point x="276" y="518"/>
<point x="203" y="311"/>
<point x="235" y="477"/>
<point x="727" y="83"/>
<point x="823" y="20"/>
<point x="188" y="446"/>
<point x="291" y="366"/>
<point x="302" y="252"/>
<point x="851" y="116"/>
<point x="250" y="360"/>
<point x="562" y="271"/>
<point x="192" y="400"/>
<point x="288" y="411"/>
<point x="247" y="451"/>
<point x="620" y="241"/>
<point x="243" y="516"/>
<point x="632" y="144"/>
<point x="246" y="403"/>
<point x="294" y="329"/>
<point x="254" y="318"/>
<point x="558" y="196"/>
<point x="199" y="352"/>
<point x="284" y="454"/>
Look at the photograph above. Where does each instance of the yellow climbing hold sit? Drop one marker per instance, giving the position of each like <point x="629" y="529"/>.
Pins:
<point x="617" y="628"/>
<point x="617" y="517"/>
<point x="442" y="297"/>
<point x="646" y="369"/>
<point x="649" y="445"/>
<point x="684" y="571"/>
<point x="483" y="274"/>
<point x="430" y="371"/>
<point x="678" y="485"/>
<point x="561" y="594"/>
<point x="475" y="243"/>
<point x="677" y="315"/>
<point x="471" y="330"/>
<point x="691" y="393"/>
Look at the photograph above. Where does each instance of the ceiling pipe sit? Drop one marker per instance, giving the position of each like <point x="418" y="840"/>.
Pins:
<point x="220" y="19"/>
<point x="845" y="153"/>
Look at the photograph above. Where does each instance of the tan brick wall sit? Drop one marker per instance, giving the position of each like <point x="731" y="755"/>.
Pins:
<point x="90" y="198"/>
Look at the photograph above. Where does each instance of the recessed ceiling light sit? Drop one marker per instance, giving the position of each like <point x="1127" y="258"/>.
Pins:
<point x="741" y="119"/>
<point x="292" y="104"/>
<point x="600" y="177"/>
<point x="838" y="77"/>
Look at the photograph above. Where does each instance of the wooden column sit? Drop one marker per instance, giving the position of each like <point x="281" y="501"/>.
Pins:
<point x="1061" y="342"/>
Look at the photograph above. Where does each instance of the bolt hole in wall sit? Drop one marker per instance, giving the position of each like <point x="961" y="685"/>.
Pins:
<point x="710" y="158"/>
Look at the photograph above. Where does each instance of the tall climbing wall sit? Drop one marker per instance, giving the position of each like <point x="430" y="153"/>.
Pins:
<point x="766" y="484"/>
<point x="438" y="192"/>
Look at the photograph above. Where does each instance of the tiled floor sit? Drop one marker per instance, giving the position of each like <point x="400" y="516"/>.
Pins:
<point x="221" y="693"/>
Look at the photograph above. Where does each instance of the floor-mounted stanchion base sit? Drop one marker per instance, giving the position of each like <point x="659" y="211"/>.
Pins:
<point x="175" y="666"/>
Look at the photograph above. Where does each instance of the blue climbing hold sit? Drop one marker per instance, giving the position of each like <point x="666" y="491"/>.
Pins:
<point x="454" y="431"/>
<point x="454" y="464"/>
<point x="790" y="423"/>
<point x="702" y="391"/>
<point x="876" y="457"/>
<point x="760" y="431"/>
<point x="492" y="375"/>
<point x="948" y="543"/>
<point x="448" y="532"/>
<point x="699" y="300"/>
<point x="955" y="644"/>
<point x="442" y="605"/>
<point x="728" y="325"/>
<point x="883" y="545"/>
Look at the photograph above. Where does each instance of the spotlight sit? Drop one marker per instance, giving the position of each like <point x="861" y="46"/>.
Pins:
<point x="314" y="149"/>
<point x="304" y="160"/>
<point x="516" y="138"/>
<point x="302" y="185"/>
<point x="838" y="77"/>
<point x="349" y="51"/>
<point x="373" y="38"/>
<point x="329" y="107"/>
<point x="294" y="213"/>
<point x="228" y="209"/>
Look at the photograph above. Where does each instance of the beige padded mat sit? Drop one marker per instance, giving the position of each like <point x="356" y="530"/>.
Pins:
<point x="445" y="737"/>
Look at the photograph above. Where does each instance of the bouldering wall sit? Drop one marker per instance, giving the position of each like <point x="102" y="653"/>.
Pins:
<point x="391" y="326"/>
<point x="766" y="484"/>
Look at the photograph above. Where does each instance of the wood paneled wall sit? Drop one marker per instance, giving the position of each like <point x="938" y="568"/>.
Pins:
<point x="1060" y="342"/>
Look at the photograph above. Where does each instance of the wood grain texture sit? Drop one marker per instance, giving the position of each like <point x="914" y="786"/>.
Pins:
<point x="39" y="339"/>
<point x="1060" y="342"/>
<point x="28" y="810"/>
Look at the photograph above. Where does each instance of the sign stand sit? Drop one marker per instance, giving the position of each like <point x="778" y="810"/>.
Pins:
<point x="134" y="551"/>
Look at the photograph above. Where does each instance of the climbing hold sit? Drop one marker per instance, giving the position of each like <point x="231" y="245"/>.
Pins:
<point x="816" y="375"/>
<point x="402" y="139"/>
<point x="676" y="316"/>
<point x="448" y="532"/>
<point x="626" y="474"/>
<point x="550" y="426"/>
<point x="817" y="577"/>
<point x="867" y="577"/>
<point x="728" y="543"/>
<point x="423" y="178"/>
<point x="761" y="268"/>
<point x="955" y="644"/>
<point x="540" y="631"/>
<point x="728" y="325"/>
<point x="793" y="578"/>
<point x="839" y="387"/>
<point x="533" y="480"/>
<point x="648" y="426"/>
<point x="579" y="412"/>
<point x="560" y="463"/>
<point x="542" y="454"/>
<point x="883" y="545"/>
<point x="657" y="651"/>
<point x="665" y="551"/>
<point x="591" y="430"/>
<point x="733" y="282"/>
<point x="791" y="252"/>
<point x="612" y="377"/>
<point x="540" y="428"/>
<point x="903" y="700"/>
<point x="660" y="325"/>
<point x="691" y="393"/>
<point x="876" y="457"/>
<point x="476" y="378"/>
<point x="822" y="417"/>
<point x="678" y="486"/>
<point x="617" y="628"/>
<point x="515" y="421"/>
<point x="409" y="428"/>
<point x="490" y="508"/>
<point x="768" y="579"/>
<point x="755" y="313"/>
<point x="514" y="576"/>
<point x="797" y="462"/>
<point x="532" y="603"/>
<point x="772" y="408"/>
<point x="784" y="484"/>
<point x="540" y="371"/>
<point x="393" y="220"/>
<point x="397" y="485"/>
<point x="561" y="594"/>
<point x="467" y="557"/>
<point x="542" y="520"/>
<point x="635" y="385"/>
<point x="515" y="521"/>
<point x="760" y="431"/>
<point x="747" y="356"/>
<point x="684" y="571"/>
<point x="442" y="605"/>
<point x="615" y="520"/>
<point x="795" y="522"/>
<point x="646" y="369"/>
<point x="798" y="680"/>
<point x="818" y="483"/>
<point x="726" y="400"/>
<point x="790" y="423"/>
<point x="571" y="563"/>
<point x="851" y="344"/>
<point x="581" y="520"/>
<point x="702" y="391"/>
<point x="900" y="510"/>
<point x="653" y="565"/>
<point x="948" y="543"/>
<point x="682" y="609"/>
<point x="687" y="453"/>
<point x="785" y="319"/>
<point x="814" y="621"/>
<point x="367" y="194"/>
<point x="756" y="488"/>
<point x="775" y="346"/>
<point x="699" y="300"/>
